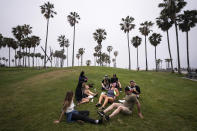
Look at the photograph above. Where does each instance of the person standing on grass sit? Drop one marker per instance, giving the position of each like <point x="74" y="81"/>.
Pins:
<point x="135" y="89"/>
<point x="78" y="91"/>
<point x="126" y="107"/>
<point x="111" y="95"/>
<point x="114" y="79"/>
<point x="74" y="115"/>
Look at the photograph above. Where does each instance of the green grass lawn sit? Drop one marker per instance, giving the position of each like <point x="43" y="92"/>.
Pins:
<point x="32" y="99"/>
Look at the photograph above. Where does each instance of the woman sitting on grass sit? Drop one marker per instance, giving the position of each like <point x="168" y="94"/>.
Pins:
<point x="74" y="115"/>
<point x="78" y="92"/>
<point x="112" y="93"/>
<point x="87" y="94"/>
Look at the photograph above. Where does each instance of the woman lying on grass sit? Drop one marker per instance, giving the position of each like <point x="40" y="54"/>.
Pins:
<point x="74" y="115"/>
<point x="112" y="93"/>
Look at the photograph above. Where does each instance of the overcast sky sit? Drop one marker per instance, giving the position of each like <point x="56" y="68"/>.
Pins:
<point x="95" y="14"/>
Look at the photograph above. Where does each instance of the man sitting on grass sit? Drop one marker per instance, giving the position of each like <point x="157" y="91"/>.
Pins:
<point x="126" y="107"/>
<point x="135" y="89"/>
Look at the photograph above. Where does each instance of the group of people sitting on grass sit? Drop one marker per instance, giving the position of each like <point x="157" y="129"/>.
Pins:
<point x="112" y="87"/>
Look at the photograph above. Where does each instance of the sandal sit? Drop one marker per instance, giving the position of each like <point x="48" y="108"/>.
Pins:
<point x="101" y="108"/>
<point x="98" y="104"/>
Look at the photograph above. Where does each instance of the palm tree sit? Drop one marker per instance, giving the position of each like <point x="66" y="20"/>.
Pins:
<point x="186" y="22"/>
<point x="81" y="52"/>
<point x="67" y="45"/>
<point x="88" y="62"/>
<point x="42" y="57"/>
<point x="109" y="49"/>
<point x="165" y="24"/>
<point x="13" y="62"/>
<point x="73" y="19"/>
<point x="97" y="50"/>
<point x="115" y="54"/>
<point x="28" y="45"/>
<point x="78" y="56"/>
<point x="32" y="57"/>
<point x="1" y="41"/>
<point x="114" y="60"/>
<point x="145" y="30"/>
<point x="99" y="35"/>
<point x="4" y="59"/>
<point x="18" y="34"/>
<point x="9" y="42"/>
<point x="62" y="41"/>
<point x="48" y="12"/>
<point x="15" y="46"/>
<point x="158" y="62"/>
<point x="95" y="56"/>
<point x="27" y="29"/>
<point x="39" y="56"/>
<point x="19" y="56"/>
<point x="35" y="41"/>
<point x="171" y="8"/>
<point x="127" y="26"/>
<point x="167" y="63"/>
<point x="155" y="39"/>
<point x="136" y="42"/>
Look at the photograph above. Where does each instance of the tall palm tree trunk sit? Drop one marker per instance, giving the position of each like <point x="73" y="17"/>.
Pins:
<point x="26" y="58"/>
<point x="146" y="55"/>
<point x="81" y="59"/>
<point x="188" y="64"/>
<point x="23" y="58"/>
<point x="109" y="59"/>
<point x="115" y="61"/>
<point x="96" y="61"/>
<point x="19" y="63"/>
<point x="155" y="59"/>
<point x="9" y="56"/>
<point x="172" y="68"/>
<point x="45" y="53"/>
<point x="33" y="56"/>
<point x="78" y="62"/>
<point x="177" y="40"/>
<point x="15" y="58"/>
<point x="29" y="58"/>
<point x="129" y="51"/>
<point x="67" y="56"/>
<point x="36" y="62"/>
<point x="73" y="46"/>
<point x="137" y="60"/>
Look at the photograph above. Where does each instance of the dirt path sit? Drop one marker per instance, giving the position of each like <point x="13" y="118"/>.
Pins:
<point x="44" y="77"/>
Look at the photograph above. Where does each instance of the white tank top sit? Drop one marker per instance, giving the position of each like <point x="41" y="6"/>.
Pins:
<point x="71" y="107"/>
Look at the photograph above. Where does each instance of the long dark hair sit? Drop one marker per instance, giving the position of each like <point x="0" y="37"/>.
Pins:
<point x="82" y="74"/>
<point x="68" y="99"/>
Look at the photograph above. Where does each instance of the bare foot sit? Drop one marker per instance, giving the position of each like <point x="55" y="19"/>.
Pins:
<point x="140" y="115"/>
<point x="56" y="121"/>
